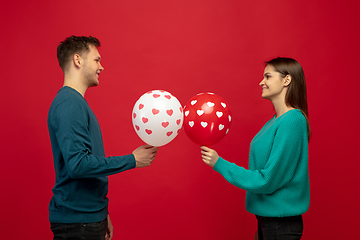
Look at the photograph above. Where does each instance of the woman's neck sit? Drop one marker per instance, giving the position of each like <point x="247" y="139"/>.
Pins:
<point x="280" y="110"/>
<point x="281" y="107"/>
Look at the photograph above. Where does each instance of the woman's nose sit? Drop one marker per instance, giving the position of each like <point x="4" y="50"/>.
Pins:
<point x="261" y="83"/>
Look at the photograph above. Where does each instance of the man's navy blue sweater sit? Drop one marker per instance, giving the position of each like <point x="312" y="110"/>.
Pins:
<point x="81" y="168"/>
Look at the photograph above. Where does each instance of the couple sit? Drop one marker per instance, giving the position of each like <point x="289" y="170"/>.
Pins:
<point x="277" y="181"/>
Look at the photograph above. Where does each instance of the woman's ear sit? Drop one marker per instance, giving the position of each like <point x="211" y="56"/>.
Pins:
<point x="287" y="80"/>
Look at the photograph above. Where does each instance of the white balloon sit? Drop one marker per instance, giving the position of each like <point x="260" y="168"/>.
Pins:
<point x="157" y="117"/>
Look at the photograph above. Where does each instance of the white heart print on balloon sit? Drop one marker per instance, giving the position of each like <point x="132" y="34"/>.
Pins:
<point x="157" y="117"/>
<point x="207" y="119"/>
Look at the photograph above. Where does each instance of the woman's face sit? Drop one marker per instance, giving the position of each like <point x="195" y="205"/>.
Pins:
<point x="273" y="85"/>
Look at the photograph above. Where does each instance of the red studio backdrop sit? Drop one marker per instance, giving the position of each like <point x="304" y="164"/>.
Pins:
<point x="184" y="47"/>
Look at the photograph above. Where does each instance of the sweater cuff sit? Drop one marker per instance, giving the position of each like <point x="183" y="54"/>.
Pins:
<point x="220" y="164"/>
<point x="133" y="165"/>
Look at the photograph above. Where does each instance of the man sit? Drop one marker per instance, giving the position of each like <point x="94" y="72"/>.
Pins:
<point x="79" y="207"/>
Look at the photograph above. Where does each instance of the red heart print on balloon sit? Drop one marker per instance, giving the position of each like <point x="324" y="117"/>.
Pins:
<point x="165" y="124"/>
<point x="157" y="117"/>
<point x="145" y="120"/>
<point x="169" y="112"/>
<point x="155" y="111"/>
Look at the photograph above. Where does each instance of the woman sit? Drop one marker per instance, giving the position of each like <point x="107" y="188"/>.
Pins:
<point x="277" y="181"/>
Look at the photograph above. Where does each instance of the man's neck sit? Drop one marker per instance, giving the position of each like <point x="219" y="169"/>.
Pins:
<point x="76" y="85"/>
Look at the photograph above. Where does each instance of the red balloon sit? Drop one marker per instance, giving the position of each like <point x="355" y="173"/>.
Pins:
<point x="207" y="119"/>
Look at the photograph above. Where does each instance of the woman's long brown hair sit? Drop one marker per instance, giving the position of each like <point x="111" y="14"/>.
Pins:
<point x="296" y="96"/>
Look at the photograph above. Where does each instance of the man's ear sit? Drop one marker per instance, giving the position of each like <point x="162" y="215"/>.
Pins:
<point x="287" y="80"/>
<point x="77" y="60"/>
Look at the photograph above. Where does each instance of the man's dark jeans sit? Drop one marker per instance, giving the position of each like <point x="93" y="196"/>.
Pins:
<point x="79" y="231"/>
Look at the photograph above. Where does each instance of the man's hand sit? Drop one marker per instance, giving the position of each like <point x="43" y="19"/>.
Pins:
<point x="209" y="156"/>
<point x="144" y="155"/>
<point x="110" y="230"/>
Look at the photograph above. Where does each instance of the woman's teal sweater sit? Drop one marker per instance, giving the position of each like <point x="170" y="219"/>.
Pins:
<point x="277" y="181"/>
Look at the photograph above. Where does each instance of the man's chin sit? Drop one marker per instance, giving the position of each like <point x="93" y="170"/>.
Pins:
<point x="94" y="84"/>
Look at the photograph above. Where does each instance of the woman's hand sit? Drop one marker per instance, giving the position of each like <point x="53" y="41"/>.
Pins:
<point x="209" y="156"/>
